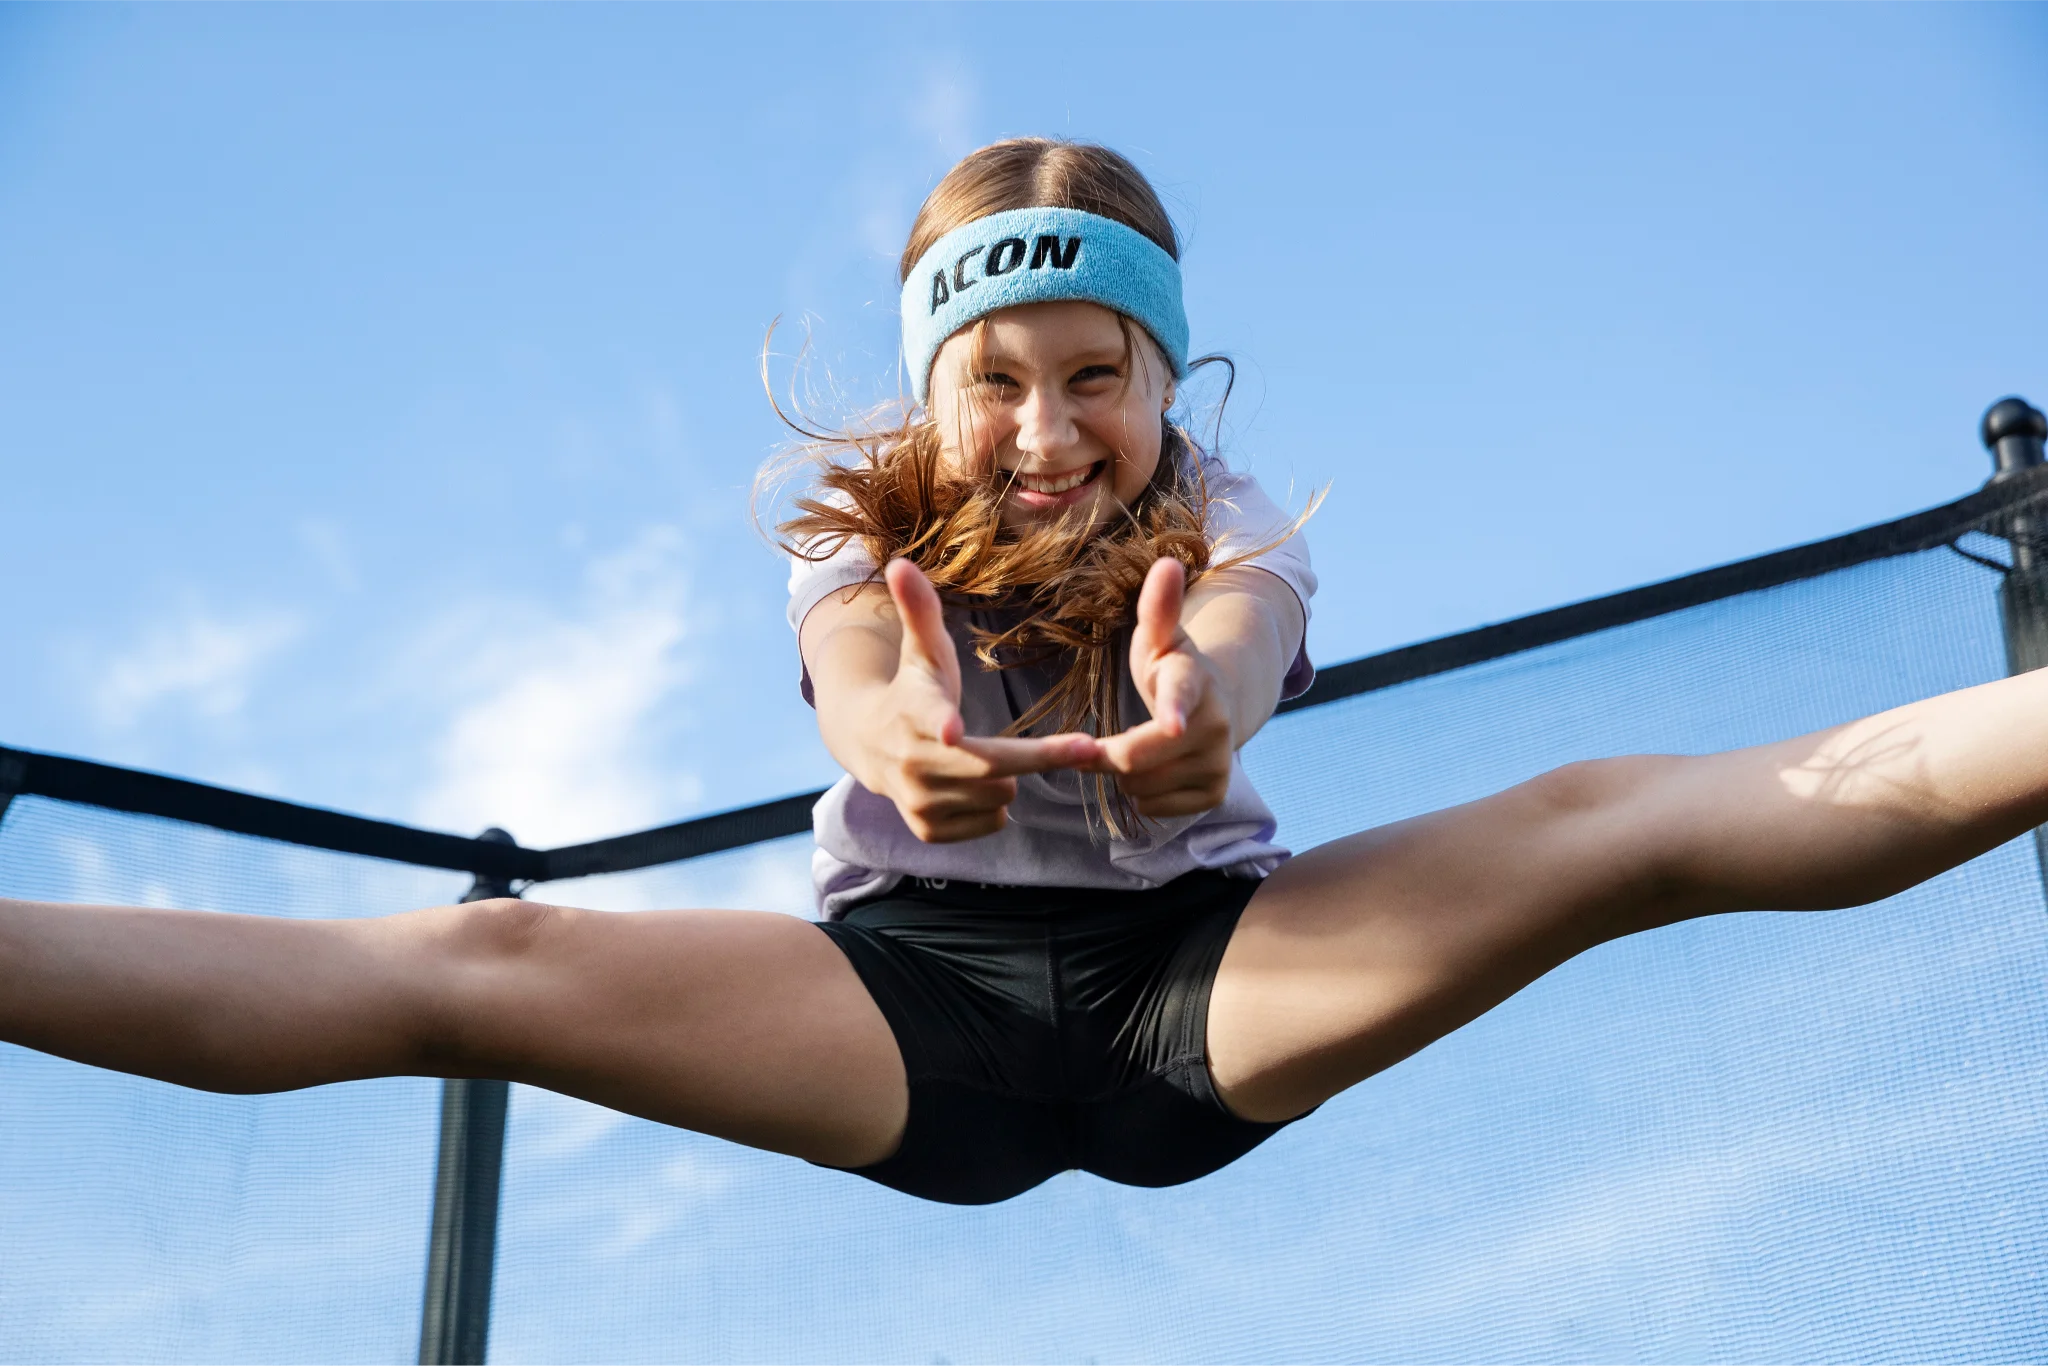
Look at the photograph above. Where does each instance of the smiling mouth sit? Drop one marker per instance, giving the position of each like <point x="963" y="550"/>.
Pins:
<point x="1053" y="485"/>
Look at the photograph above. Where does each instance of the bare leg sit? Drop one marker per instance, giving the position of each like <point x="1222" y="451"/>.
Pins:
<point x="1364" y="950"/>
<point x="744" y="1024"/>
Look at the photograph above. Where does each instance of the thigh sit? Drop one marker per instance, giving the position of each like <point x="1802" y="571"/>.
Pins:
<point x="1360" y="952"/>
<point x="744" y="1024"/>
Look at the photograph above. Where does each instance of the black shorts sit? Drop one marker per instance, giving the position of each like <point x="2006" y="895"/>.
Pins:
<point x="1050" y="1028"/>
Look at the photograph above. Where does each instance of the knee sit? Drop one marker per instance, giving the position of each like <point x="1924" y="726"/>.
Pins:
<point x="1605" y="787"/>
<point x="493" y="931"/>
<point x="473" y="964"/>
<point x="1633" y="819"/>
<point x="1618" y="815"/>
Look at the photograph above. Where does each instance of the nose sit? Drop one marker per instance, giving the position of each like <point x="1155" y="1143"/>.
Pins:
<point x="1045" y="424"/>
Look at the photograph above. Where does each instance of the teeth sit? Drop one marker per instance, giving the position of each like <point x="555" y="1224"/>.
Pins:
<point x="1056" y="483"/>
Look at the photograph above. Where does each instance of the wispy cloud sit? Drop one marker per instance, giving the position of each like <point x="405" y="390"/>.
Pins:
<point x="555" y="1128"/>
<point x="206" y="662"/>
<point x="682" y="1185"/>
<point x="938" y="114"/>
<point x="556" y="715"/>
<point x="924" y="127"/>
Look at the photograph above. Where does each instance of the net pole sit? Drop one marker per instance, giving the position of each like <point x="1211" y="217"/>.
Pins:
<point x="462" y="1244"/>
<point x="13" y="772"/>
<point x="2013" y="431"/>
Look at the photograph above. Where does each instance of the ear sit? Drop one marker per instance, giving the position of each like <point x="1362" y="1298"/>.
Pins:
<point x="1167" y="403"/>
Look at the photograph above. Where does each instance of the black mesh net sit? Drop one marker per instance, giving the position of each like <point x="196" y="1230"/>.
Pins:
<point x="1759" y="1137"/>
<point x="146" y="1222"/>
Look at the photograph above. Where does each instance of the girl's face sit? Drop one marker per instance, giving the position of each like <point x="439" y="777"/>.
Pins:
<point x="1057" y="406"/>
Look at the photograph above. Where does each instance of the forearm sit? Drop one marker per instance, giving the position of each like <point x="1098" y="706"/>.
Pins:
<point x="1249" y="631"/>
<point x="851" y="668"/>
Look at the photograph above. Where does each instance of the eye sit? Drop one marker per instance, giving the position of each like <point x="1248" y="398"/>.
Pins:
<point x="995" y="379"/>
<point x="1093" y="376"/>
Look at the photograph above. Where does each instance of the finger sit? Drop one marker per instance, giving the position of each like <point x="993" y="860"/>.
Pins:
<point x="936" y="822"/>
<point x="943" y="798"/>
<point x="1159" y="603"/>
<point x="1176" y="691"/>
<point x="1007" y="756"/>
<point x="971" y="757"/>
<point x="939" y="720"/>
<point x="1195" y="773"/>
<point x="1144" y="746"/>
<point x="942" y="810"/>
<point x="925" y="641"/>
<point x="956" y="829"/>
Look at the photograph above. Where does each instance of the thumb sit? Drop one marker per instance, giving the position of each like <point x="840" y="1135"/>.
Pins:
<point x="1176" y="692"/>
<point x="1159" y="603"/>
<point x="926" y="644"/>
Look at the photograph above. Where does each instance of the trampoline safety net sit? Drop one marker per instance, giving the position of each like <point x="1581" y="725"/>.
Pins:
<point x="1764" y="1137"/>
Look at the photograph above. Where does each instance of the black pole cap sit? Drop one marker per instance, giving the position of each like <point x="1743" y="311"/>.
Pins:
<point x="2013" y="431"/>
<point x="486" y="887"/>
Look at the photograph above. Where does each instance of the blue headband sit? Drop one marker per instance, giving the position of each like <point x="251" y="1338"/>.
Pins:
<point x="1028" y="256"/>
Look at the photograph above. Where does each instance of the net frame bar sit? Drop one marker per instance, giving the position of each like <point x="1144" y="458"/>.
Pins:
<point x="2006" y="503"/>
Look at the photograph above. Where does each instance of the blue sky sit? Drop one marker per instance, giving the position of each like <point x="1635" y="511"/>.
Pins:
<point x="378" y="406"/>
<point x="378" y="391"/>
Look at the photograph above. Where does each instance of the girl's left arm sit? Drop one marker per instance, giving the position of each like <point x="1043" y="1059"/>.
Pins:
<point x="1248" y="624"/>
<point x="1209" y="665"/>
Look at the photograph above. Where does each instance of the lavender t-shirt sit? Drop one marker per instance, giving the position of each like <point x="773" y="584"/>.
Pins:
<point x="864" y="848"/>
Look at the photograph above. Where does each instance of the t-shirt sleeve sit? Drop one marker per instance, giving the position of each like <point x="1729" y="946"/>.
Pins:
<point x="1241" y="517"/>
<point x="809" y="582"/>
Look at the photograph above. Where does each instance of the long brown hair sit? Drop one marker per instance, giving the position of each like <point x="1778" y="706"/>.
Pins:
<point x="1067" y="590"/>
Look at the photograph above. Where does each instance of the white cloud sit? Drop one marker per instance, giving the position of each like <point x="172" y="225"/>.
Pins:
<point x="553" y="1127"/>
<point x="884" y="192"/>
<point x="775" y="876"/>
<point x="683" y="1183"/>
<point x="207" y="662"/>
<point x="555" y="716"/>
<point x="929" y="124"/>
<point x="91" y="874"/>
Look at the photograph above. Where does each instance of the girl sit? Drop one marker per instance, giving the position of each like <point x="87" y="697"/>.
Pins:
<point x="1037" y="624"/>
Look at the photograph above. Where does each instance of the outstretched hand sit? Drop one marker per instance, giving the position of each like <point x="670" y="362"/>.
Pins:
<point x="948" y="785"/>
<point x="1178" y="763"/>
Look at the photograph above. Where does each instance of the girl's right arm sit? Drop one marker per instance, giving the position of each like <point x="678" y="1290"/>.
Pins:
<point x="886" y="679"/>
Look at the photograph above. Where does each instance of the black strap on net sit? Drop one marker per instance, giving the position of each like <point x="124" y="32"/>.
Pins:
<point x="2013" y="506"/>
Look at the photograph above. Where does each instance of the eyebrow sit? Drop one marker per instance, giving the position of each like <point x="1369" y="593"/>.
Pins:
<point x="996" y="360"/>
